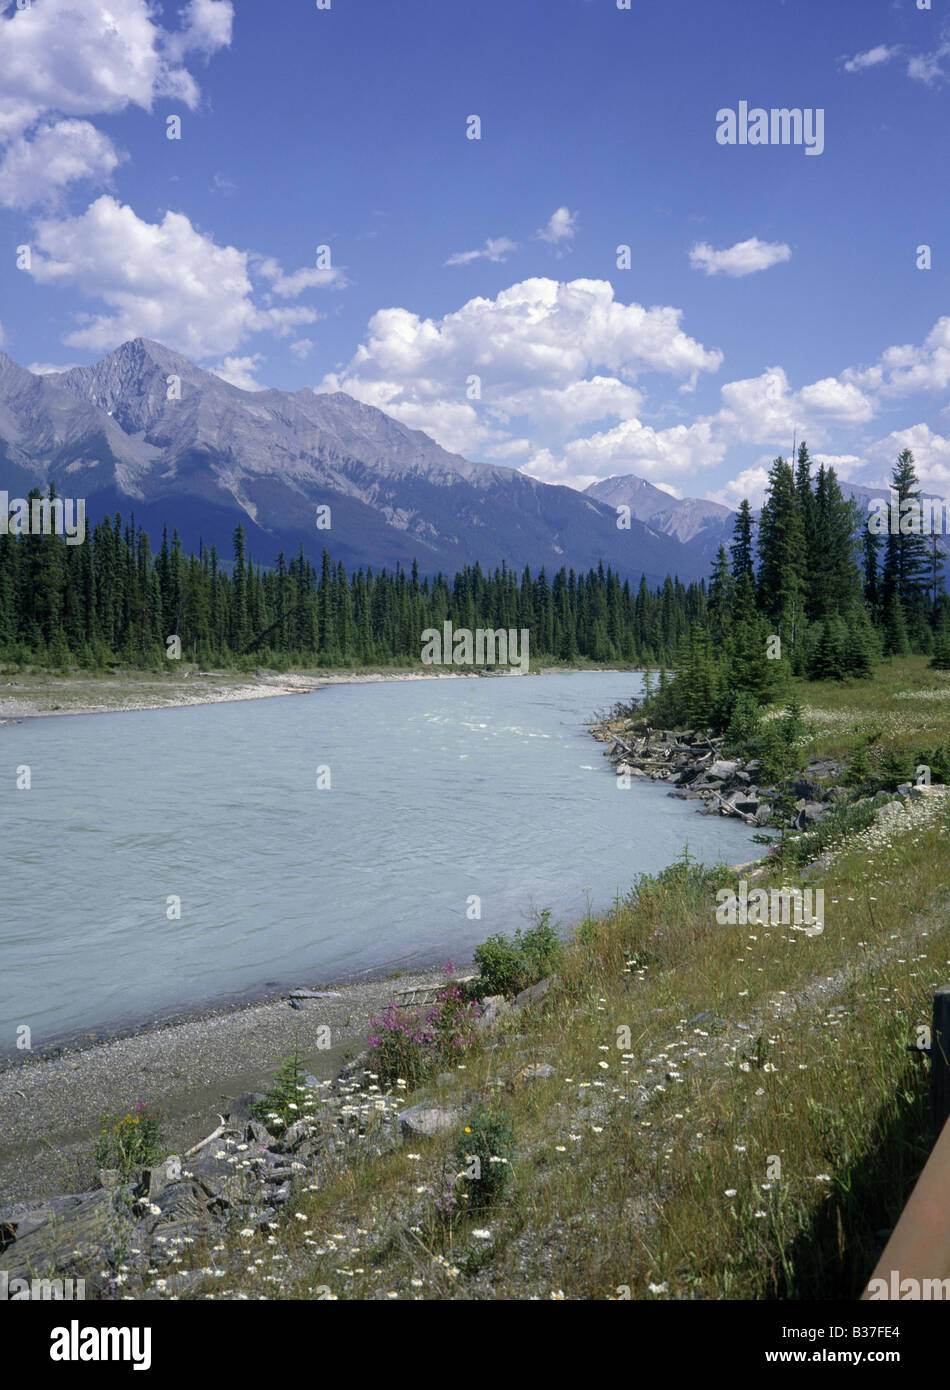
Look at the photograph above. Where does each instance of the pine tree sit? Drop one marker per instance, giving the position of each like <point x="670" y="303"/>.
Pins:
<point x="742" y="548"/>
<point x="781" y="555"/>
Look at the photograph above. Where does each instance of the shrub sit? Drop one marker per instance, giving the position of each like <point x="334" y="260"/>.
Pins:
<point x="409" y="1044"/>
<point x="131" y="1141"/>
<point x="485" y="1152"/>
<point x="507" y="965"/>
<point x="744" y="722"/>
<point x="281" y="1106"/>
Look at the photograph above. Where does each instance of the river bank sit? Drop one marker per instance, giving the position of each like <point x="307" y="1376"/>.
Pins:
<point x="190" y="1070"/>
<point x="33" y="696"/>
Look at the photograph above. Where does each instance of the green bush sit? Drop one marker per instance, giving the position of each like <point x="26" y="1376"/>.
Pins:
<point x="282" y="1105"/>
<point x="507" y="965"/>
<point x="745" y="721"/>
<point x="484" y="1153"/>
<point x="131" y="1141"/>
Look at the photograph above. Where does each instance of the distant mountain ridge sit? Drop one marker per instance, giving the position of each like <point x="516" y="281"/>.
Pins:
<point x="694" y="521"/>
<point x="144" y="429"/>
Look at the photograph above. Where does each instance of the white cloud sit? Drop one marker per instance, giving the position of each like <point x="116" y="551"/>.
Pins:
<point x="164" y="280"/>
<point x="633" y="447"/>
<point x="931" y="455"/>
<point x="844" y="464"/>
<point x="904" y="370"/>
<point x="82" y="59"/>
<point x="35" y="170"/>
<point x="239" y="371"/>
<point x="294" y="284"/>
<point x="66" y="59"/>
<point x="871" y="58"/>
<point x="598" y="398"/>
<point x="751" y="483"/>
<point x="560" y="228"/>
<point x="50" y="368"/>
<point x="302" y="348"/>
<point x="495" y="249"/>
<point x="207" y="27"/>
<point x="744" y="258"/>
<point x="836" y="400"/>
<point x="553" y="354"/>
<point x="765" y="410"/>
<point x="928" y="67"/>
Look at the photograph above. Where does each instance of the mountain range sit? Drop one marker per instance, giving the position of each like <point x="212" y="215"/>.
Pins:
<point x="146" y="430"/>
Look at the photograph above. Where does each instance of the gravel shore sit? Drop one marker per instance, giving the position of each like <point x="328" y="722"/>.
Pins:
<point x="50" y="1108"/>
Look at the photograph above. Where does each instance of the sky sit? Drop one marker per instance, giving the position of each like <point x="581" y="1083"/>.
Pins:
<point x="598" y="284"/>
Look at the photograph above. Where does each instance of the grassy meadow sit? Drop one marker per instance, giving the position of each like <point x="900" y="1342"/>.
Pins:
<point x="733" y="1111"/>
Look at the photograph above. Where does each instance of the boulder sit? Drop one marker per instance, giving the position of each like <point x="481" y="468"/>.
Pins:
<point x="810" y="814"/>
<point x="240" y="1111"/>
<point x="823" y="769"/>
<point x="494" y="1008"/>
<point x="533" y="993"/>
<point x="154" y="1180"/>
<point x="426" y="1120"/>
<point x="80" y="1241"/>
<point x="723" y="768"/>
<point x="535" y="1071"/>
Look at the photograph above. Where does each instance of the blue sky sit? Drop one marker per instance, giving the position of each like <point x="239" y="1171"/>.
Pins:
<point x="770" y="291"/>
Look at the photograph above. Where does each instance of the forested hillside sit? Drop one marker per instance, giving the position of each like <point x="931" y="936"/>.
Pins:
<point x="815" y="593"/>
<point x="111" y="599"/>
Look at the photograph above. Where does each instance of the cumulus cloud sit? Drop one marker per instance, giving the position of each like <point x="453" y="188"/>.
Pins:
<point x="765" y="409"/>
<point x="903" y="370"/>
<point x="161" y="280"/>
<point x="80" y="60"/>
<point x="931" y="455"/>
<point x="871" y="58"/>
<point x="751" y="483"/>
<point x="63" y="59"/>
<point x="59" y="153"/>
<point x="629" y="447"/>
<point x="239" y="371"/>
<point x="560" y="228"/>
<point x="744" y="258"/>
<point x="553" y="354"/>
<point x="50" y="368"/>
<point x="206" y="27"/>
<point x="495" y="249"/>
<point x="302" y="347"/>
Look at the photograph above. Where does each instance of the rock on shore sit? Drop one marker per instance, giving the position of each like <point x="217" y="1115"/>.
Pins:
<point x="692" y="761"/>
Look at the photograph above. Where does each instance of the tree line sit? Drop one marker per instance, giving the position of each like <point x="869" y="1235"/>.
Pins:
<point x="811" y="591"/>
<point x="111" y="600"/>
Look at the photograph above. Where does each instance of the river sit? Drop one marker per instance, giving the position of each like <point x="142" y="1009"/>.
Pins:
<point x="171" y="859"/>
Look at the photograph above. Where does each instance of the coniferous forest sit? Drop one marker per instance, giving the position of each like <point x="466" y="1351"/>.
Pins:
<point x="112" y="600"/>
<point x="811" y="591"/>
<point x="808" y="590"/>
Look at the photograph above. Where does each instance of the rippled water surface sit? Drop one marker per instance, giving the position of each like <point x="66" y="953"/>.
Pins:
<point x="442" y="790"/>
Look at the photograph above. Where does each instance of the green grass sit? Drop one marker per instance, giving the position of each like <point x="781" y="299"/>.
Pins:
<point x="734" y="1111"/>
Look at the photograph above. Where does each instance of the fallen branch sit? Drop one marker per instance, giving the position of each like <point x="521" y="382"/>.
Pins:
<point x="216" y="1135"/>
